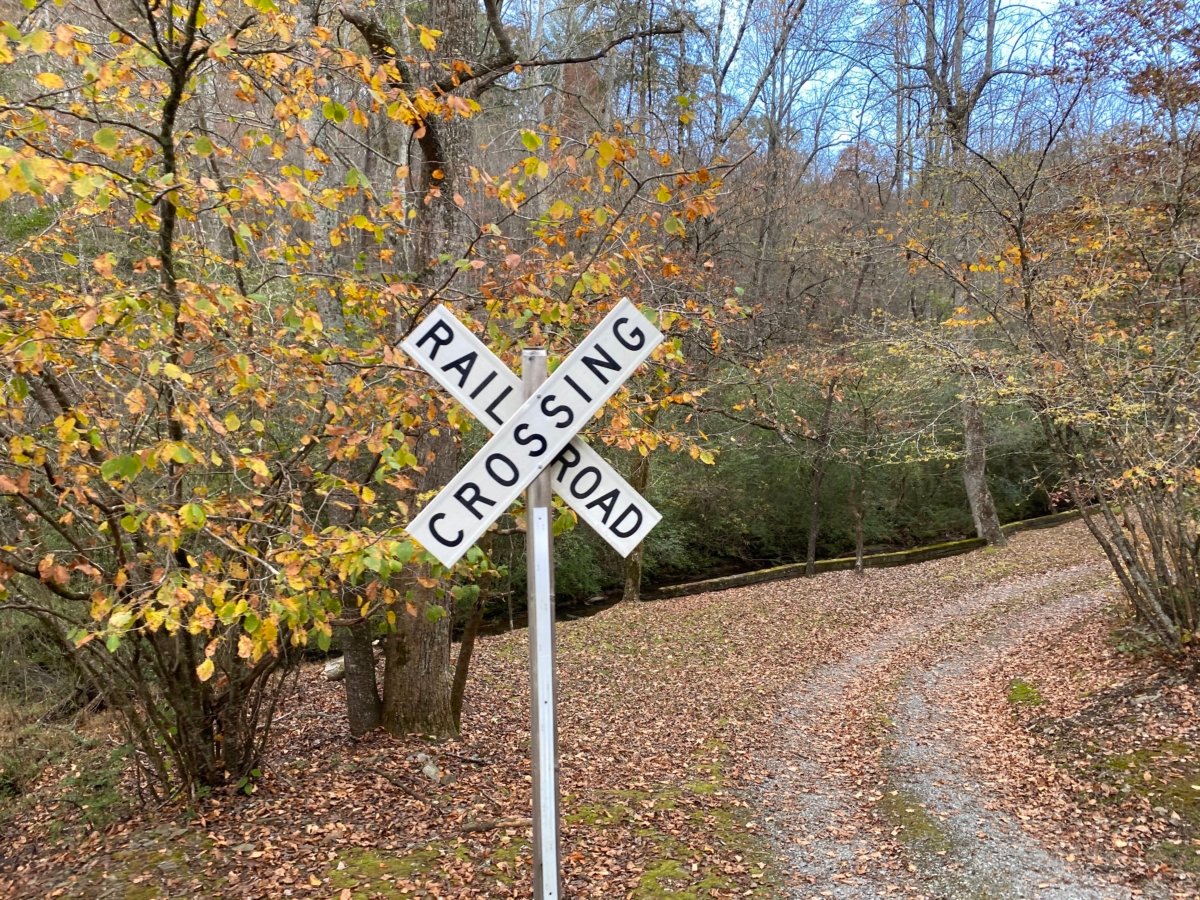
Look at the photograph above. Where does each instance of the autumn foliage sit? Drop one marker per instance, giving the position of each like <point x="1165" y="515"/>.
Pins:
<point x="210" y="437"/>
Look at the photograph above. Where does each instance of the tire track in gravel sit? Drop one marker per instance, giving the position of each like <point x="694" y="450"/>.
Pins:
<point x="870" y="796"/>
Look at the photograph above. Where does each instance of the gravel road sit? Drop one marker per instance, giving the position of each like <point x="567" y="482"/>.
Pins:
<point x="872" y="796"/>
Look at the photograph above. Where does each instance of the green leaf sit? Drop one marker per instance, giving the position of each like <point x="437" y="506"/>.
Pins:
<point x="434" y="613"/>
<point x="335" y="111"/>
<point x="203" y="146"/>
<point x="127" y="467"/>
<point x="181" y="454"/>
<point x="106" y="139"/>
<point x="192" y="515"/>
<point x="531" y="140"/>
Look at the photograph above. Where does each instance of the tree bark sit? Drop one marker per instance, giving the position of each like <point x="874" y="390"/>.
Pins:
<point x="362" y="690"/>
<point x="979" y="496"/>
<point x="462" y="663"/>
<point x="417" y="679"/>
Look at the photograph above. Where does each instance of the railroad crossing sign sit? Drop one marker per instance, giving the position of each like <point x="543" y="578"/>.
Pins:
<point x="534" y="445"/>
<point x="535" y="434"/>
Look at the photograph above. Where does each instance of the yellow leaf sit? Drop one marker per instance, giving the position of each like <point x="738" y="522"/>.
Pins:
<point x="173" y="371"/>
<point x="429" y="38"/>
<point x="204" y="671"/>
<point x="51" y="81"/>
<point x="39" y="41"/>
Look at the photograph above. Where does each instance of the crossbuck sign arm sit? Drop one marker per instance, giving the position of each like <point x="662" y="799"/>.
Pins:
<point x="534" y="436"/>
<point x="461" y="363"/>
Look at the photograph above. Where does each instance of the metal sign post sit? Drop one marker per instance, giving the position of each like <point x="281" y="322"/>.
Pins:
<point x="535" y="448"/>
<point x="539" y="559"/>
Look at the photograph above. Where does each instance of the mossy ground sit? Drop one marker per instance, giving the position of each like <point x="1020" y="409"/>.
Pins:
<point x="1167" y="777"/>
<point x="160" y="864"/>
<point x="370" y="873"/>
<point x="917" y="829"/>
<point x="672" y="824"/>
<point x="1024" y="693"/>
<point x="86" y="773"/>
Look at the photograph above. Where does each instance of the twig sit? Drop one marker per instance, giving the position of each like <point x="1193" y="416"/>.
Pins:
<point x="396" y="782"/>
<point x="493" y="824"/>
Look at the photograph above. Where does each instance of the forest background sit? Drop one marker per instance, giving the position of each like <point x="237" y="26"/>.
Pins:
<point x="924" y="268"/>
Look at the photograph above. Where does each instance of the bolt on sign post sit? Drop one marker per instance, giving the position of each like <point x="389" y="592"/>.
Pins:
<point x="535" y="448"/>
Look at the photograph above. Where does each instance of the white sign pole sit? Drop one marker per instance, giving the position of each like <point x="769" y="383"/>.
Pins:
<point x="539" y="541"/>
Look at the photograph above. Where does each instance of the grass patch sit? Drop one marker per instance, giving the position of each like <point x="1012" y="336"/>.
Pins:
<point x="90" y="787"/>
<point x="159" y="864"/>
<point x="1183" y="856"/>
<point x="597" y="814"/>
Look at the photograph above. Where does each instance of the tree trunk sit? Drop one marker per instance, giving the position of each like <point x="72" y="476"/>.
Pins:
<point x="417" y="679"/>
<point x="462" y="663"/>
<point x="362" y="690"/>
<point x="818" y="476"/>
<point x="639" y="478"/>
<point x="857" y="502"/>
<point x="983" y="508"/>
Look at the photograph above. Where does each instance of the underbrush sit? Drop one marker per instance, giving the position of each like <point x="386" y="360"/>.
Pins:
<point x="55" y="744"/>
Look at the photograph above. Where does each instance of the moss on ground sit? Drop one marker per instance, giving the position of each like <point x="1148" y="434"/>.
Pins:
<point x="920" y="831"/>
<point x="1024" y="693"/>
<point x="160" y="863"/>
<point x="1183" y="856"/>
<point x="1166" y="777"/>
<point x="675" y="865"/>
<point x="366" y="872"/>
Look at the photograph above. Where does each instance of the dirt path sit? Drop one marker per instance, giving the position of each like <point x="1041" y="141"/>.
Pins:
<point x="872" y="795"/>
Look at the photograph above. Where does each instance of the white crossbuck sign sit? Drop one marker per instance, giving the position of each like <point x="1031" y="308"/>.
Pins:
<point x="531" y="435"/>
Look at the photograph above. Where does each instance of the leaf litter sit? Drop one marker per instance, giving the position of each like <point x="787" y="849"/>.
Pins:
<point x="741" y="743"/>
